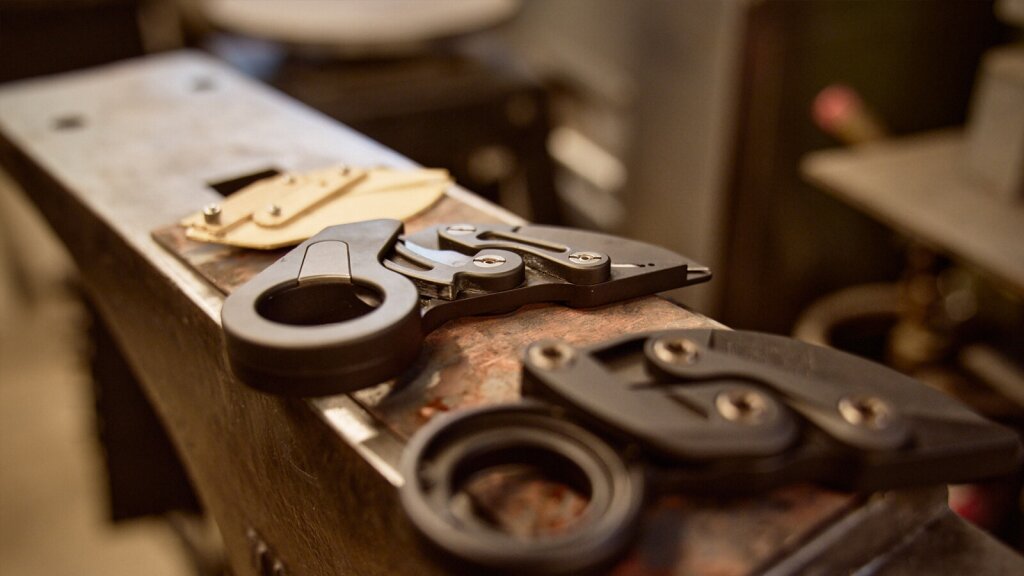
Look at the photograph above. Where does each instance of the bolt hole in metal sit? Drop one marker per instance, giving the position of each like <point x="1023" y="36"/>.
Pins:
<point x="203" y="84"/>
<point x="319" y="303"/>
<point x="867" y="411"/>
<point x="69" y="122"/>
<point x="676" y="350"/>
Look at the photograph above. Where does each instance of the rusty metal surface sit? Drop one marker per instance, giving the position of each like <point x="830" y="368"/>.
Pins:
<point x="475" y="361"/>
<point x="150" y="143"/>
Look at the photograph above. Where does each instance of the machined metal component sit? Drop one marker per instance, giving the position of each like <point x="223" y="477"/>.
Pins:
<point x="211" y="213"/>
<point x="747" y="417"/>
<point x="444" y="456"/>
<point x="786" y="410"/>
<point x="349" y="307"/>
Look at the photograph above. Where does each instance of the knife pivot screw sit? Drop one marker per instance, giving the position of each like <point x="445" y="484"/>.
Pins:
<point x="551" y="355"/>
<point x="676" y="350"/>
<point x="866" y="411"/>
<point x="460" y="229"/>
<point x="211" y="213"/>
<point x="742" y="405"/>
<point x="586" y="258"/>
<point x="488" y="261"/>
<point x="274" y="210"/>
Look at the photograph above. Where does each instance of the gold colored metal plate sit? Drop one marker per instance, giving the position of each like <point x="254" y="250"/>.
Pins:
<point x="287" y="209"/>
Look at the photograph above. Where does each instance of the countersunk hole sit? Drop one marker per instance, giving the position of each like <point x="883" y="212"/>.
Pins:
<point x="203" y="84"/>
<point x="69" y="122"/>
<point x="318" y="303"/>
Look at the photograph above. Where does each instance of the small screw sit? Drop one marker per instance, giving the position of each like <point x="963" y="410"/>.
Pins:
<point x="460" y="229"/>
<point x="211" y="213"/>
<point x="867" y="411"/>
<point x="676" y="350"/>
<point x="488" y="261"/>
<point x="551" y="355"/>
<point x="742" y="405"/>
<point x="274" y="210"/>
<point x="586" y="258"/>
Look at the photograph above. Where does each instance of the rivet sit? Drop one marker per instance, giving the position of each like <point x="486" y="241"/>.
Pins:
<point x="274" y="210"/>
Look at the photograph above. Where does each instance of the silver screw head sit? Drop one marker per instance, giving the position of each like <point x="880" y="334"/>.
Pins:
<point x="586" y="258"/>
<point x="211" y="213"/>
<point x="866" y="411"/>
<point x="488" y="260"/>
<point x="676" y="350"/>
<point x="550" y="354"/>
<point x="742" y="405"/>
<point x="460" y="229"/>
<point x="274" y="210"/>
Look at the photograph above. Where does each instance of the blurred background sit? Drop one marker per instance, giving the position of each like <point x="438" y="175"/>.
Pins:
<point x="809" y="152"/>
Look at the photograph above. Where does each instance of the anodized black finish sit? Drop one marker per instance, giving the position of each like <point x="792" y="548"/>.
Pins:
<point x="699" y="410"/>
<point x="349" y="307"/>
<point x="444" y="456"/>
<point x="673" y="410"/>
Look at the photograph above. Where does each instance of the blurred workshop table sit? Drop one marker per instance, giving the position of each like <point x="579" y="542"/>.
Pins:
<point x="112" y="155"/>
<point x="921" y="186"/>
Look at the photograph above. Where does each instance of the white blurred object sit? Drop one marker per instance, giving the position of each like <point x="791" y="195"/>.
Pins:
<point x="360" y="25"/>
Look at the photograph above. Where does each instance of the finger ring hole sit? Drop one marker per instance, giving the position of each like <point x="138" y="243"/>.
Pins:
<point x="317" y="303"/>
<point x="526" y="492"/>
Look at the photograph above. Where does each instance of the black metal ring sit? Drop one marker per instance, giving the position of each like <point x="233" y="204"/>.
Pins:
<point x="289" y="335"/>
<point x="449" y="451"/>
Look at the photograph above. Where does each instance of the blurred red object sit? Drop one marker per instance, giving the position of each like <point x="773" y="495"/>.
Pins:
<point x="840" y="112"/>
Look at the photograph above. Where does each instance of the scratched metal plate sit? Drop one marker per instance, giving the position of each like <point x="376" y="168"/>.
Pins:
<point x="475" y="361"/>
